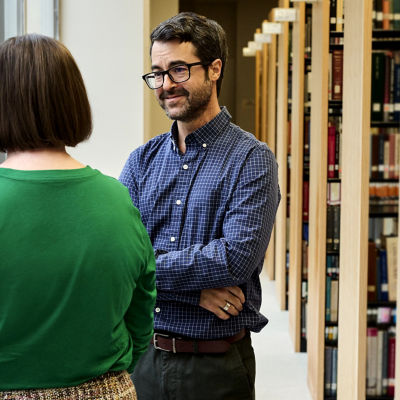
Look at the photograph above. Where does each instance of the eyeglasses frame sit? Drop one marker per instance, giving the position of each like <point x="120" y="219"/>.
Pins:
<point x="166" y="72"/>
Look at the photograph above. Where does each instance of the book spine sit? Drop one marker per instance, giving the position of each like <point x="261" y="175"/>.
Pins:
<point x="372" y="337"/>
<point x="385" y="14"/>
<point x="396" y="15"/>
<point x="332" y="13"/>
<point x="391" y="365"/>
<point x="331" y="151"/>
<point x="337" y="74"/>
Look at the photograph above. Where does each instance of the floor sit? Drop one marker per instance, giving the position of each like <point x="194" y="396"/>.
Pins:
<point x="281" y="373"/>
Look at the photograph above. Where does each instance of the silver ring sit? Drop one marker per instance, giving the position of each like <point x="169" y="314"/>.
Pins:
<point x="226" y="306"/>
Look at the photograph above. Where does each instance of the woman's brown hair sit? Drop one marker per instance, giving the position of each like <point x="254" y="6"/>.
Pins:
<point x="43" y="100"/>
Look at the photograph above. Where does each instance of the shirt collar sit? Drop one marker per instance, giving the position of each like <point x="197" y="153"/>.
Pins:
<point x="205" y="135"/>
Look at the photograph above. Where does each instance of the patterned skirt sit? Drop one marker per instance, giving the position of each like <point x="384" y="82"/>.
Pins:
<point x="109" y="386"/>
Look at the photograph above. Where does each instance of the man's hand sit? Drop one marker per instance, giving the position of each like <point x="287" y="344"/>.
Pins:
<point x="223" y="302"/>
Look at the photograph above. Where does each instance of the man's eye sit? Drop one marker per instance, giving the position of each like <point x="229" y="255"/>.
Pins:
<point x="157" y="74"/>
<point x="179" y="70"/>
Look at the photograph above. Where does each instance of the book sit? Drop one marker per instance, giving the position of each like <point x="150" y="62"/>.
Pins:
<point x="337" y="74"/>
<point x="331" y="150"/>
<point x="386" y="14"/>
<point x="379" y="14"/>
<point x="372" y="281"/>
<point x="396" y="15"/>
<point x="334" y="300"/>
<point x="332" y="15"/>
<point x="391" y="364"/>
<point x="336" y="228"/>
<point x="339" y="15"/>
<point x="378" y="85"/>
<point x="372" y="352"/>
<point x="391" y="249"/>
<point x="396" y="83"/>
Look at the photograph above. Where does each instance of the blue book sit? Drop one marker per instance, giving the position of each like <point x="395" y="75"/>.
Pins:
<point x="383" y="276"/>
<point x="396" y="87"/>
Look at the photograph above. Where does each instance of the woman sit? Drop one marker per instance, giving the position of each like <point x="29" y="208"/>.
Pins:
<point x="77" y="286"/>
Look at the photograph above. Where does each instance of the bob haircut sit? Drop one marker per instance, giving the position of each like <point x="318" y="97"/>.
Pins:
<point x="206" y="35"/>
<point x="43" y="100"/>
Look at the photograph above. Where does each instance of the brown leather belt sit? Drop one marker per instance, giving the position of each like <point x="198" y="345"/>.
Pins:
<point x="173" y="344"/>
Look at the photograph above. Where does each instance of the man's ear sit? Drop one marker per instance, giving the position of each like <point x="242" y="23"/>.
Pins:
<point x="215" y="69"/>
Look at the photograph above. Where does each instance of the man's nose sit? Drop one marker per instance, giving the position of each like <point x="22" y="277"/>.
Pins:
<point x="168" y="83"/>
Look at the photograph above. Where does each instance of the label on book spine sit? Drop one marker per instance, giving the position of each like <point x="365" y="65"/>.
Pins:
<point x="285" y="14"/>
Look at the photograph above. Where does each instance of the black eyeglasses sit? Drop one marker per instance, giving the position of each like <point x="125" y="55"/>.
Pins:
<point x="178" y="74"/>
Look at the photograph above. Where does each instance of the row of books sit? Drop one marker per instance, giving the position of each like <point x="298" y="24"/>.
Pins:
<point x="382" y="270"/>
<point x="386" y="14"/>
<point x="330" y="373"/>
<point x="381" y="316"/>
<point x="381" y="361"/>
<point x="336" y="15"/>
<point x="335" y="82"/>
<point x="333" y="228"/>
<point x="334" y="153"/>
<point x="331" y="299"/>
<point x="385" y="88"/>
<point x="332" y="265"/>
<point x="331" y="333"/>
<point x="383" y="198"/>
<point x="381" y="227"/>
<point x="385" y="153"/>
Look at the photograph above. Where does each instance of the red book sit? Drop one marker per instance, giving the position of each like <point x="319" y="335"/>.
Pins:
<point x="392" y="160"/>
<point x="331" y="151"/>
<point x="391" y="365"/>
<point x="337" y="74"/>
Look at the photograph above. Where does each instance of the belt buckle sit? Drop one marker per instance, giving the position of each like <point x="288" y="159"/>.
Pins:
<point x="160" y="348"/>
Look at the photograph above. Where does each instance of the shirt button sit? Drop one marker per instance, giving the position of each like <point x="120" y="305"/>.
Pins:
<point x="185" y="166"/>
<point x="178" y="202"/>
<point x="172" y="239"/>
<point x="157" y="309"/>
<point x="204" y="145"/>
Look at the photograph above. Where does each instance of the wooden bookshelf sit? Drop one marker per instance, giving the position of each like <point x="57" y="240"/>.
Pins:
<point x="271" y="135"/>
<point x="317" y="198"/>
<point x="296" y="177"/>
<point x="281" y="156"/>
<point x="355" y="201"/>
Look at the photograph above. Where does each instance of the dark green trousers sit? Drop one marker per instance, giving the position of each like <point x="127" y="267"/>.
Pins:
<point x="160" y="375"/>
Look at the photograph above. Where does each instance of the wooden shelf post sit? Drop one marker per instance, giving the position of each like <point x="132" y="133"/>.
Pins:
<point x="271" y="140"/>
<point x="317" y="198"/>
<point x="296" y="176"/>
<point x="355" y="201"/>
<point x="281" y="155"/>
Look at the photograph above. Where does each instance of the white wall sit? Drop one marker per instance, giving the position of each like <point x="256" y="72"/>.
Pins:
<point x="106" y="39"/>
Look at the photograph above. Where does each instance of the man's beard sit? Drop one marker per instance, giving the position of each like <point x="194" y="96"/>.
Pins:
<point x="193" y="107"/>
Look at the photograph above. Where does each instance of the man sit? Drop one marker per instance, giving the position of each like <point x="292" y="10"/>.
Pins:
<point x="207" y="192"/>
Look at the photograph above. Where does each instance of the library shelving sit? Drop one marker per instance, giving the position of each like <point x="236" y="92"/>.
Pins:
<point x="281" y="156"/>
<point x="317" y="249"/>
<point x="299" y="182"/>
<point x="269" y="122"/>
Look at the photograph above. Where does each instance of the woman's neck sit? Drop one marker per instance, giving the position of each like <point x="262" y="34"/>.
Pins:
<point x="41" y="159"/>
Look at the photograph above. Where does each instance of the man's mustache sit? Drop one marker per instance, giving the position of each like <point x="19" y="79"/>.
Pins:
<point x="176" y="92"/>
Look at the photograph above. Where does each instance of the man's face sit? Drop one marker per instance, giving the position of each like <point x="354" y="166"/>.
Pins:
<point x="183" y="101"/>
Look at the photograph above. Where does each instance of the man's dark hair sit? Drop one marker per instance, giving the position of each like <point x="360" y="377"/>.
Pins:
<point x="43" y="100"/>
<point x="206" y="35"/>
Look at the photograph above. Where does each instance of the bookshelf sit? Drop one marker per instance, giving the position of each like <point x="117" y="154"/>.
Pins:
<point x="296" y="175"/>
<point x="281" y="156"/>
<point x="317" y="199"/>
<point x="270" y="124"/>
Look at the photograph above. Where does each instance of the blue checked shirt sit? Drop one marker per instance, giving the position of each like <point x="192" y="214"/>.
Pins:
<point x="209" y="214"/>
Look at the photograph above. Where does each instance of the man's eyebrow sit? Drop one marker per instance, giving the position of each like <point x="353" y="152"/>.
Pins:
<point x="171" y="64"/>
